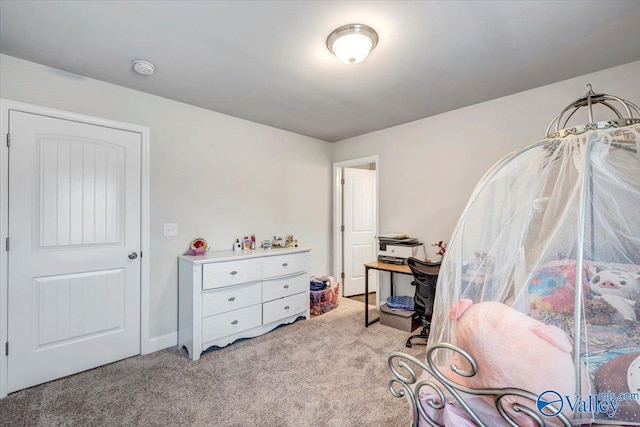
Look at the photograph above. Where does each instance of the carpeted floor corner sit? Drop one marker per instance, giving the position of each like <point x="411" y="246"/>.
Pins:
<point x="326" y="371"/>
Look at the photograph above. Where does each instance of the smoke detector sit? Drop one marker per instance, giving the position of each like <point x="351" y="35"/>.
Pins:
<point x="143" y="67"/>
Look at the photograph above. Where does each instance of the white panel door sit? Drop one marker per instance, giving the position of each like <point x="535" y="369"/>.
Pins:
<point x="359" y="215"/>
<point x="74" y="218"/>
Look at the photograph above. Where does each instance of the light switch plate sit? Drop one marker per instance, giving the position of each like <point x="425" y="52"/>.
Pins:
<point x="170" y="230"/>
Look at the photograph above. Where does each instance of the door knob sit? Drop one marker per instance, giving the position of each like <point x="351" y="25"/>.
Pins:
<point x="133" y="255"/>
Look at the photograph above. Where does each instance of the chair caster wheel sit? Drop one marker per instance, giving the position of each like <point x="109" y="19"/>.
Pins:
<point x="408" y="344"/>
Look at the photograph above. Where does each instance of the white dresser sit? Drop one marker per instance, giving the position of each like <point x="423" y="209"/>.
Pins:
<point x="224" y="296"/>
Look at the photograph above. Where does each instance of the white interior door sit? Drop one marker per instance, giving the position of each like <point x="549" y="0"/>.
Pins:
<point x="359" y="216"/>
<point x="74" y="219"/>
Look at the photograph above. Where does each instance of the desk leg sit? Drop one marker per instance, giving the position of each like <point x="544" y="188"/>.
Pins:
<point x="393" y="286"/>
<point x="366" y="299"/>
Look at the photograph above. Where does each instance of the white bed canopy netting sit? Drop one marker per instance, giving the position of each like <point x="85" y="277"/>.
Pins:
<point x="537" y="311"/>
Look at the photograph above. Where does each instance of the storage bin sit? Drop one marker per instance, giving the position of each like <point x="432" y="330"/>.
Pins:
<point x="325" y="300"/>
<point x="404" y="320"/>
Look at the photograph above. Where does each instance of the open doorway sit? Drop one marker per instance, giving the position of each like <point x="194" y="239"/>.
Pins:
<point x="355" y="222"/>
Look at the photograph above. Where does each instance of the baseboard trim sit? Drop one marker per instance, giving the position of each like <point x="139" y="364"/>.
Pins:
<point x="161" y="342"/>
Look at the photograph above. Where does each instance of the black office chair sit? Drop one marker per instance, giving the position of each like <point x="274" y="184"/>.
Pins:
<point x="425" y="277"/>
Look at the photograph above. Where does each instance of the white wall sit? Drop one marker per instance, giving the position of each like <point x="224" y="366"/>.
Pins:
<point x="429" y="167"/>
<point x="221" y="177"/>
<point x="217" y="176"/>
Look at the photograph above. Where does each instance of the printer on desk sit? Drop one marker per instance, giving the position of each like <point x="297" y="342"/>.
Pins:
<point x="396" y="248"/>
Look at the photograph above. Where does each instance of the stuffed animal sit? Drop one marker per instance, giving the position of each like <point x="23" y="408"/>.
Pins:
<point x="621" y="375"/>
<point x="511" y="349"/>
<point x="599" y="312"/>
<point x="621" y="289"/>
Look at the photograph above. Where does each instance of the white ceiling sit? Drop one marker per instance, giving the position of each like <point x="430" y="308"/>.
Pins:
<point x="266" y="61"/>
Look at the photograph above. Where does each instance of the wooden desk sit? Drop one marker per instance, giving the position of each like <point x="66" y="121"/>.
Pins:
<point x="382" y="266"/>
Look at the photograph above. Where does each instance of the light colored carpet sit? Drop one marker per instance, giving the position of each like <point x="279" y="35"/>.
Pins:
<point x="326" y="371"/>
<point x="360" y="298"/>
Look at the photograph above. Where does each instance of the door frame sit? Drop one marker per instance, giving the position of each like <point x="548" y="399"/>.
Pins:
<point x="5" y="107"/>
<point x="337" y="206"/>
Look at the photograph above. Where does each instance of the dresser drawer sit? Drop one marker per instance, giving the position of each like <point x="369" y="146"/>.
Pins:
<point x="221" y="300"/>
<point x="222" y="325"/>
<point x="279" y="309"/>
<point x="282" y="265"/>
<point x="284" y="287"/>
<point x="220" y="274"/>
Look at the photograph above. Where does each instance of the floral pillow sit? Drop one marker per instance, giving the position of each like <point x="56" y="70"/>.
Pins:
<point x="552" y="287"/>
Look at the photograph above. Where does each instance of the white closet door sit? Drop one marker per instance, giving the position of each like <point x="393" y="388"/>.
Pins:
<point x="359" y="212"/>
<point x="74" y="218"/>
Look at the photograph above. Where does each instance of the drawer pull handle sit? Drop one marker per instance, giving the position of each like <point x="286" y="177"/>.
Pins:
<point x="232" y="299"/>
<point x="285" y="264"/>
<point x="286" y="286"/>
<point x="235" y="322"/>
<point x="233" y="273"/>
<point x="286" y="308"/>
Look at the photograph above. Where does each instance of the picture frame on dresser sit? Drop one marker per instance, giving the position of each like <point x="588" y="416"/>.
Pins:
<point x="225" y="296"/>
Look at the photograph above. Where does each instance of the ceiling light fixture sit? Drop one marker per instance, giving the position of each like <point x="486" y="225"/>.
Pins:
<point x="143" y="67"/>
<point x="352" y="43"/>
